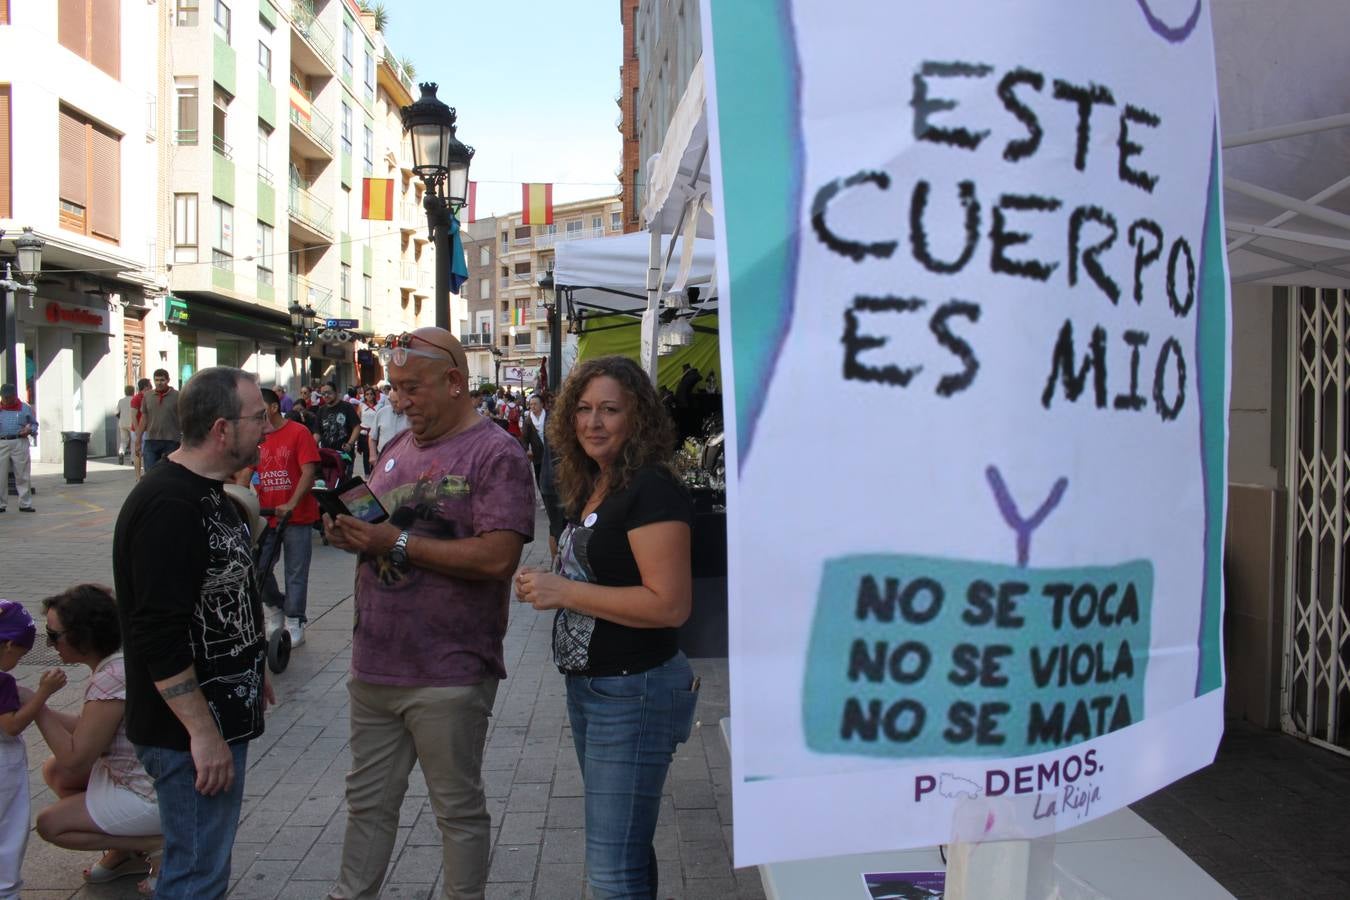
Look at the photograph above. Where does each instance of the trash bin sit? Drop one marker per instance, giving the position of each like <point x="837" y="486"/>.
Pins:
<point x="75" y="455"/>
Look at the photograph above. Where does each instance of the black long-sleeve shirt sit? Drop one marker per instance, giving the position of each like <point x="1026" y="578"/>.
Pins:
<point x="186" y="596"/>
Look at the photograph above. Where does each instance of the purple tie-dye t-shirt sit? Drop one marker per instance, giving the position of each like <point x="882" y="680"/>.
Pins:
<point x="422" y="628"/>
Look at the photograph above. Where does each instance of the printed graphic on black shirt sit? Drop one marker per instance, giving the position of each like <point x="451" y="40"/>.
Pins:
<point x="572" y="630"/>
<point x="335" y="424"/>
<point x="227" y="643"/>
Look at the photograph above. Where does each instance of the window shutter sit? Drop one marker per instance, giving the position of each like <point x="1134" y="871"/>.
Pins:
<point x="4" y="15"/>
<point x="104" y="211"/>
<point x="4" y="153"/>
<point x="106" y="35"/>
<point x="70" y="25"/>
<point x="73" y="160"/>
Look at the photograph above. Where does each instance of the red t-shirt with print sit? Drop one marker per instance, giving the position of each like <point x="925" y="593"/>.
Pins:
<point x="282" y="454"/>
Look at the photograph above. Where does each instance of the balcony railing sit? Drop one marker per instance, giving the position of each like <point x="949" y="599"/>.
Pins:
<point x="314" y="32"/>
<point x="221" y="147"/>
<point x="410" y="213"/>
<point x="526" y="277"/>
<point x="316" y="125"/>
<point x="307" y="293"/>
<point x="185" y="136"/>
<point x="407" y="273"/>
<point x="474" y="339"/>
<point x="544" y="241"/>
<point x="311" y="211"/>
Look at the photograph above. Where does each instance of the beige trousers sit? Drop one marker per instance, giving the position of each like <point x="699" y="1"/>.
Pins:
<point x="443" y="728"/>
<point x="14" y="455"/>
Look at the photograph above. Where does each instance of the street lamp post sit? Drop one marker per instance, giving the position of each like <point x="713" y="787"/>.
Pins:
<point x="442" y="162"/>
<point x="28" y="249"/>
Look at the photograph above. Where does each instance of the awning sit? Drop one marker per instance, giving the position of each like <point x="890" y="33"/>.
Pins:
<point x="1285" y="115"/>
<point x="195" y="309"/>
<point x="611" y="273"/>
<point x="681" y="171"/>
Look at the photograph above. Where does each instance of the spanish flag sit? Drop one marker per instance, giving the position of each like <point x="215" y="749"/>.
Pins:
<point x="377" y="199"/>
<point x="536" y="204"/>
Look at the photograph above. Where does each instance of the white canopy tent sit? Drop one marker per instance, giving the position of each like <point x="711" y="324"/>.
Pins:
<point x="609" y="274"/>
<point x="1285" y="114"/>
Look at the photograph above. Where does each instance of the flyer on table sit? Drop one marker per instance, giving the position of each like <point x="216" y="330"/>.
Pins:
<point x="972" y="257"/>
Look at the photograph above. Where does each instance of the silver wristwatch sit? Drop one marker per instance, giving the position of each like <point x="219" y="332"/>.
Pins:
<point x="398" y="554"/>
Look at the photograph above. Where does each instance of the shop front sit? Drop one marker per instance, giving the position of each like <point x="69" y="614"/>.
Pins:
<point x="211" y="330"/>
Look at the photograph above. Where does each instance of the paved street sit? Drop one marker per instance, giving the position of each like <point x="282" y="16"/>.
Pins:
<point x="1267" y="820"/>
<point x="293" y="821"/>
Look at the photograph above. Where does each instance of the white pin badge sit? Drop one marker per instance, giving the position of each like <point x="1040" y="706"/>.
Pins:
<point x="389" y="466"/>
<point x="590" y="520"/>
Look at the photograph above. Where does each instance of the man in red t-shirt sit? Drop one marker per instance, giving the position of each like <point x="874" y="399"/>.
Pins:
<point x="288" y="462"/>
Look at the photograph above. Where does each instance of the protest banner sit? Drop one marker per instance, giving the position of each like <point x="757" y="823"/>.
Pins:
<point x="971" y="254"/>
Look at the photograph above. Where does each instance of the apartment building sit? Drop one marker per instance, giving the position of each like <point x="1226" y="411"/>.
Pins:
<point x="630" y="167"/>
<point x="524" y="254"/>
<point x="278" y="112"/>
<point x="78" y="140"/>
<point x="476" y="327"/>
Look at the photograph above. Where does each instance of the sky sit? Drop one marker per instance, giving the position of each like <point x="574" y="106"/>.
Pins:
<point x="533" y="83"/>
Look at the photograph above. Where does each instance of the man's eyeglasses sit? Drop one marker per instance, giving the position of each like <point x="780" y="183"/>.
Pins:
<point x="53" y="637"/>
<point x="398" y="347"/>
<point x="257" y="418"/>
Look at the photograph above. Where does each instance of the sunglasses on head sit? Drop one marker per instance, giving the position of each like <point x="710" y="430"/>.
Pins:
<point x="398" y="347"/>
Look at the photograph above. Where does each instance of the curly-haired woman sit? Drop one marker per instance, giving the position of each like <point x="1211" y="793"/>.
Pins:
<point x="621" y="586"/>
<point x="107" y="799"/>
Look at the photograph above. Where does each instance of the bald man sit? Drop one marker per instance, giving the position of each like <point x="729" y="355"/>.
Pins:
<point x="432" y="587"/>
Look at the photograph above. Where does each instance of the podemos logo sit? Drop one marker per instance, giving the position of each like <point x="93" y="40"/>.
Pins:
<point x="1032" y="779"/>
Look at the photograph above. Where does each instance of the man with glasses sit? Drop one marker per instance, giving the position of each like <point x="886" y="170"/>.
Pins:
<point x="432" y="587"/>
<point x="159" y="420"/>
<point x="339" y="425"/>
<point x="192" y="629"/>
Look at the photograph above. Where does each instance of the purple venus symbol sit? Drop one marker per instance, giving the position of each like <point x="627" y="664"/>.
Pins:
<point x="1008" y="508"/>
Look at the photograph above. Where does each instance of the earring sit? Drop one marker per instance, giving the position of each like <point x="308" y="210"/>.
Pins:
<point x="456" y="394"/>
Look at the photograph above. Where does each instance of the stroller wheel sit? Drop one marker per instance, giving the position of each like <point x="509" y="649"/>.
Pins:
<point x="279" y="651"/>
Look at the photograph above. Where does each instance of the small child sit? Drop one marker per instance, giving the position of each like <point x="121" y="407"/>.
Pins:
<point x="17" y="711"/>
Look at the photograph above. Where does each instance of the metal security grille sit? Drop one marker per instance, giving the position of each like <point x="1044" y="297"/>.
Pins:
<point x="1316" y="694"/>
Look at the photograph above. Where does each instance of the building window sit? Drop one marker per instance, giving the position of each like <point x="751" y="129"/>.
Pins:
<point x="367" y="292"/>
<point x="346" y="290"/>
<point x="222" y="238"/>
<point x="368" y="149"/>
<point x="597" y="225"/>
<point x="484" y="288"/>
<point x="264" y="140"/>
<point x="264" y="253"/>
<point x="506" y="241"/>
<point x="90" y="177"/>
<point x="615" y="220"/>
<point x="370" y="77"/>
<point x="185" y="89"/>
<point x="265" y="60"/>
<point x="347" y="50"/>
<point x="266" y="26"/>
<point x="221" y="105"/>
<point x="189" y="12"/>
<point x="574" y="229"/>
<point x="6" y="181"/>
<point x="223" y="20"/>
<point x="484" y="256"/>
<point x="346" y="128"/>
<point x="92" y="31"/>
<point x="185" y="228"/>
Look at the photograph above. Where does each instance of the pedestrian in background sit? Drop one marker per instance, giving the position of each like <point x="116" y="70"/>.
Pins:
<point x="17" y="425"/>
<point x="622" y="586"/>
<point x="338" y="425"/>
<point x="193" y="630"/>
<point x="159" y="419"/>
<point x="126" y="416"/>
<point x="389" y="422"/>
<point x="432" y="587"/>
<point x="138" y="425"/>
<point x="367" y="409"/>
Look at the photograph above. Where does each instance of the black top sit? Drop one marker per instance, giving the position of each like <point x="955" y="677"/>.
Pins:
<point x="335" y="424"/>
<point x="596" y="550"/>
<point x="186" y="597"/>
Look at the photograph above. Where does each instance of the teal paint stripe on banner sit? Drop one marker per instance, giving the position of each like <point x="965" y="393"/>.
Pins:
<point x="1212" y="337"/>
<point x="757" y="100"/>
<point x="914" y="657"/>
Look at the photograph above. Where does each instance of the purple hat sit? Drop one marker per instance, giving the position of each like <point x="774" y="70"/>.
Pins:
<point x="16" y="624"/>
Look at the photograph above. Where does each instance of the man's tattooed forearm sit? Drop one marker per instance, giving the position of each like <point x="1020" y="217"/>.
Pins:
<point x="179" y="689"/>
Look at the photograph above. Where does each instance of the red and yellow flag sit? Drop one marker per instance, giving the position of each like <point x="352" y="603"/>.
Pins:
<point x="377" y="199"/>
<point x="536" y="204"/>
<point x="472" y="205"/>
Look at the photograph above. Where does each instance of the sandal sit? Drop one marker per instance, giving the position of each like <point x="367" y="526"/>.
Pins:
<point x="146" y="888"/>
<point x="135" y="864"/>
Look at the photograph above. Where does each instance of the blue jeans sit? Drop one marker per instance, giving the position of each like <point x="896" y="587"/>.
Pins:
<point x="298" y="546"/>
<point x="198" y="830"/>
<point x="154" y="451"/>
<point x="626" y="728"/>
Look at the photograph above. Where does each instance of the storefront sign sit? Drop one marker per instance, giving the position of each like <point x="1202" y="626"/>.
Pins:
<point x="55" y="314"/>
<point x="524" y="375"/>
<point x="972" y="255"/>
<point x="176" y="311"/>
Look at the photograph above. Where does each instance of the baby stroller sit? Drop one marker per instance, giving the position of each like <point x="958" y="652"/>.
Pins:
<point x="264" y="558"/>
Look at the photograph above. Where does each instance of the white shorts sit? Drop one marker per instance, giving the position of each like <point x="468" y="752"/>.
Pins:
<point x="118" y="810"/>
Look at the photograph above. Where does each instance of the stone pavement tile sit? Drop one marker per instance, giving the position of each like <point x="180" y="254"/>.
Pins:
<point x="563" y="845"/>
<point x="527" y="798"/>
<point x="710" y="888"/>
<point x="666" y="842"/>
<point x="535" y="769"/>
<point x="560" y="881"/>
<point x="705" y="859"/>
<point x="315" y="810"/>
<point x="497" y="782"/>
<point x="264" y="880"/>
<point x="260" y="825"/>
<point x="518" y="891"/>
<point x="749" y="885"/>
<point x="566" y="812"/>
<point x="425" y="831"/>
<point x="513" y="863"/>
<point x="302" y="889"/>
<point x="698" y="825"/>
<point x="292" y="842"/>
<point x="416" y="865"/>
<point x="689" y="793"/>
<point x="521" y="828"/>
<point x="406" y="891"/>
<point x="322" y="861"/>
